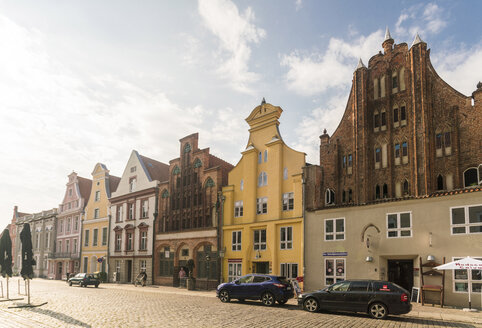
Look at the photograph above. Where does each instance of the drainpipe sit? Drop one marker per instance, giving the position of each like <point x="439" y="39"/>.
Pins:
<point x="109" y="215"/>
<point x="220" y="214"/>
<point x="303" y="182"/>
<point x="156" y="213"/>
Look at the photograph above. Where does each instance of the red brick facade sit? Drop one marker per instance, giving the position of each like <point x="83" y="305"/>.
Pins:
<point x="188" y="220"/>
<point x="405" y="133"/>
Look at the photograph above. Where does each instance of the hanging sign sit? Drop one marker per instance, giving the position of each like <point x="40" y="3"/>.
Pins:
<point x="335" y="254"/>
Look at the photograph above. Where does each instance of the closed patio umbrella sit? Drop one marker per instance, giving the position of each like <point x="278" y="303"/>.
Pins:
<point x="27" y="254"/>
<point x="467" y="263"/>
<point x="6" y="254"/>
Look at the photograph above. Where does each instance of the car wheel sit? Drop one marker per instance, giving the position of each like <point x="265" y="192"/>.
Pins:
<point x="268" y="299"/>
<point x="96" y="285"/>
<point x="311" y="305"/>
<point x="70" y="283"/>
<point x="378" y="311"/>
<point x="282" y="302"/>
<point x="224" y="296"/>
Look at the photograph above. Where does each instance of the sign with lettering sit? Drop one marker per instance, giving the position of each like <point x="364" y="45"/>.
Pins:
<point x="335" y="254"/>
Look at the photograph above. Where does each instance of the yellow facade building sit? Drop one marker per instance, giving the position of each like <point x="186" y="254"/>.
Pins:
<point x="262" y="203"/>
<point x="95" y="221"/>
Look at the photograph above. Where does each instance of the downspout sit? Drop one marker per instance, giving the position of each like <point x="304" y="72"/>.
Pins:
<point x="220" y="214"/>
<point x="303" y="183"/>
<point x="109" y="215"/>
<point x="156" y="213"/>
<point x="81" y="227"/>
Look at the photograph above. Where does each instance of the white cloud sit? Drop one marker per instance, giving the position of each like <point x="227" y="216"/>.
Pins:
<point x="317" y="72"/>
<point x="235" y="32"/>
<point x="53" y="121"/>
<point x="422" y="19"/>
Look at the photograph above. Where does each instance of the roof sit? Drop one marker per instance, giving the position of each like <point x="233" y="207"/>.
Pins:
<point x="157" y="170"/>
<point x="387" y="35"/>
<point x="113" y="183"/>
<point x="85" y="186"/>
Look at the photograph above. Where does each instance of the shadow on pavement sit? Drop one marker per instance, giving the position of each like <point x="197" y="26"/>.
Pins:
<point x="60" y="316"/>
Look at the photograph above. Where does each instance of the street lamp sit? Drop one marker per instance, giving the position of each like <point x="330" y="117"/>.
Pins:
<point x="208" y="258"/>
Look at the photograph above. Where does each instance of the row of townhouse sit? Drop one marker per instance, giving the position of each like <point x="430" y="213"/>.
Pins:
<point x="396" y="190"/>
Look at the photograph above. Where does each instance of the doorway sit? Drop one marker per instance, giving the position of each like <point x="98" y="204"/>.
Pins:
<point x="129" y="270"/>
<point x="401" y="273"/>
<point x="58" y="276"/>
<point x="261" y="267"/>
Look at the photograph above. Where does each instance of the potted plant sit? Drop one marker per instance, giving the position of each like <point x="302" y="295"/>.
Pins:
<point x="191" y="281"/>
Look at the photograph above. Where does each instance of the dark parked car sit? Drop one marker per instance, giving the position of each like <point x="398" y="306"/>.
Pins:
<point x="84" y="279"/>
<point x="375" y="297"/>
<point x="267" y="288"/>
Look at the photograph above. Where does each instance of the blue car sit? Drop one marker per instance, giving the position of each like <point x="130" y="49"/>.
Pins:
<point x="267" y="288"/>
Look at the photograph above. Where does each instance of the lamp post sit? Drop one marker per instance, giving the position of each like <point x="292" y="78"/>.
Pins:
<point x="208" y="258"/>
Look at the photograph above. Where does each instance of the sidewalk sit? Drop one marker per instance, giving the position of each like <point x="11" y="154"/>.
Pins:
<point x="445" y="314"/>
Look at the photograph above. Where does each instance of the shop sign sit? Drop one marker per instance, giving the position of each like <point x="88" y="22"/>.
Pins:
<point x="335" y="254"/>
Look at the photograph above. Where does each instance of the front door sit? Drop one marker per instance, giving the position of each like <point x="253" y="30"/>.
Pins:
<point x="401" y="273"/>
<point x="261" y="267"/>
<point x="129" y="270"/>
<point x="58" y="276"/>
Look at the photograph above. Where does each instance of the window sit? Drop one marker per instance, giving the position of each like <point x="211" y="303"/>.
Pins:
<point x="397" y="153"/>
<point x="69" y="221"/>
<point x="70" y="192"/>
<point x="118" y="241"/>
<point x="132" y="184"/>
<point x="385" y="190"/>
<point x="143" y="245"/>
<point x="286" y="237"/>
<point x="130" y="209"/>
<point x="59" y="249"/>
<point x="234" y="271"/>
<point x="375" y="88"/>
<point x="166" y="263"/>
<point x="329" y="197"/>
<point x="403" y="115"/>
<point x="97" y="196"/>
<point x="75" y="246"/>
<point x="265" y="156"/>
<point x="334" y="229"/>
<point x="133" y="169"/>
<point x="384" y="120"/>
<point x="120" y="215"/>
<point x="238" y="209"/>
<point x="86" y="260"/>
<point x="334" y="271"/>
<point x="262" y="179"/>
<point x="38" y="240"/>
<point x="395" y="116"/>
<point x="394" y="82"/>
<point x="262" y="205"/>
<point x="260" y="158"/>
<point x="260" y="239"/>
<point x="406" y="191"/>
<point x="399" y="225"/>
<point x="343" y="162"/>
<point x="378" y="157"/>
<point x="285" y="173"/>
<point x="376" y="121"/>
<point x="288" y="201"/>
<point x="129" y="241"/>
<point x="350" y="160"/>
<point x="241" y="185"/>
<point x="440" y="182"/>
<point x="358" y="286"/>
<point x="438" y="141"/>
<point x="96" y="213"/>
<point x="405" y="152"/>
<point x="377" y="192"/>
<point x="47" y="239"/>
<point x="289" y="270"/>
<point x="61" y="225"/>
<point x="143" y="265"/>
<point x="236" y="241"/>
<point x="466" y="219"/>
<point x="104" y="236"/>
<point x="95" y="236"/>
<point x="67" y="246"/>
<point x="76" y="223"/>
<point x="465" y="280"/>
<point x="145" y="208"/>
<point x="471" y="177"/>
<point x="86" y="239"/>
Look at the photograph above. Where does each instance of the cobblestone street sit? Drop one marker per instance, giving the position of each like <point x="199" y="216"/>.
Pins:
<point x="113" y="305"/>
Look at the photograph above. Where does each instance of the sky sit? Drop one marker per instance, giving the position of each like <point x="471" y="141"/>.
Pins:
<point x="88" y="81"/>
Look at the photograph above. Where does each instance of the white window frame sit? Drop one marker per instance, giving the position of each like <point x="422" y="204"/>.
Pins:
<point x="469" y="281"/>
<point x="95" y="237"/>
<point x="286" y="270"/>
<point x="262" y="179"/>
<point x="399" y="229"/>
<point x="336" y="278"/>
<point x="235" y="271"/>
<point x="145" y="208"/>
<point x="236" y="239"/>
<point x="467" y="223"/>
<point x="335" y="232"/>
<point x="118" y="242"/>
<point x="97" y="195"/>
<point x="238" y="209"/>
<point x="260" y="208"/>
<point x="286" y="243"/>
<point x="104" y="236"/>
<point x="259" y="245"/>
<point x="288" y="201"/>
<point x="96" y="213"/>
<point x="143" y="240"/>
<point x="142" y="265"/>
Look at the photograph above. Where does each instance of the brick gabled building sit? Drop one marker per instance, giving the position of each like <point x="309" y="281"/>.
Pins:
<point x="405" y="132"/>
<point x="188" y="223"/>
<point x="397" y="189"/>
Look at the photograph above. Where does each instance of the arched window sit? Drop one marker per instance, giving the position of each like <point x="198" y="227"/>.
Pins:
<point x="343" y="196"/>
<point x="187" y="148"/>
<point x="176" y="170"/>
<point x="260" y="158"/>
<point x="405" y="187"/>
<point x="197" y="163"/>
<point x="440" y="182"/>
<point x="165" y="193"/>
<point x="471" y="177"/>
<point x="209" y="183"/>
<point x="262" y="179"/>
<point x="329" y="197"/>
<point x="377" y="192"/>
<point x="350" y="195"/>
<point x="385" y="191"/>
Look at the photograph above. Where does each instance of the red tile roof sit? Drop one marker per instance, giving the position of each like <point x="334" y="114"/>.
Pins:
<point x="157" y="170"/>
<point x="85" y="186"/>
